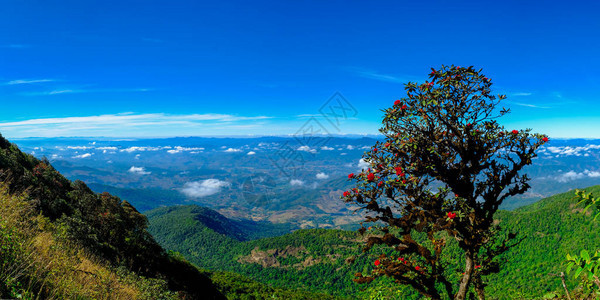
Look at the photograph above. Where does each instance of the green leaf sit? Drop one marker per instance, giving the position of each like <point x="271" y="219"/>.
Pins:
<point x="585" y="255"/>
<point x="569" y="267"/>
<point x="579" y="269"/>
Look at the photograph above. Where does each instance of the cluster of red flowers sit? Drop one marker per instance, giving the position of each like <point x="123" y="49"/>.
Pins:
<point x="451" y="215"/>
<point x="399" y="103"/>
<point x="370" y="176"/>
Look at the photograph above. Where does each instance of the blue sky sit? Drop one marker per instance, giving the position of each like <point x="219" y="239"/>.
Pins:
<point x="181" y="68"/>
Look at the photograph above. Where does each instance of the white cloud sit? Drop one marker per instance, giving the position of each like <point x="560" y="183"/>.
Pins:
<point x="306" y="149"/>
<point x="572" y="150"/>
<point x="233" y="150"/>
<point x="172" y="151"/>
<point x="350" y="147"/>
<point x="572" y="175"/>
<point x="83" y="155"/>
<point x="327" y="148"/>
<point x="363" y="164"/>
<point x="251" y="153"/>
<point x="198" y="189"/>
<point x="296" y="182"/>
<point x="138" y="170"/>
<point x="322" y="176"/>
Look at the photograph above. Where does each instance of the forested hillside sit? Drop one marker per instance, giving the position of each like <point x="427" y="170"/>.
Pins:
<point x="326" y="260"/>
<point x="61" y="240"/>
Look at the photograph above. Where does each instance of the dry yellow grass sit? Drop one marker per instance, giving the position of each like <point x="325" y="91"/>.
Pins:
<point x="47" y="268"/>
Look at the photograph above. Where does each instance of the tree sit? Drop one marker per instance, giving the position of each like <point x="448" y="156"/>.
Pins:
<point x="441" y="173"/>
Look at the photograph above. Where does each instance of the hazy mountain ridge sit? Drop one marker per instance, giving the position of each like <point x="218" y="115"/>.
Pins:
<point x="241" y="178"/>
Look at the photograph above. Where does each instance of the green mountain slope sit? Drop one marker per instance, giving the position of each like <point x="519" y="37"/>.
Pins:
<point x="316" y="259"/>
<point x="108" y="236"/>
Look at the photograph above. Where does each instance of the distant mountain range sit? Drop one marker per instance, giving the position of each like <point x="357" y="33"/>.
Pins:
<point x="293" y="180"/>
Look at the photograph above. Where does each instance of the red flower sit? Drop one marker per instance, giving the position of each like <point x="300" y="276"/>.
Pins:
<point x="451" y="215"/>
<point x="404" y="106"/>
<point x="377" y="262"/>
<point x="515" y="131"/>
<point x="374" y="149"/>
<point x="432" y="72"/>
<point x="371" y="177"/>
<point x="545" y="139"/>
<point x="346" y="193"/>
<point x="456" y="195"/>
<point x="397" y="102"/>
<point x="380" y="184"/>
<point x="430" y="84"/>
<point x="351" y="175"/>
<point x="477" y="266"/>
<point x="398" y="170"/>
<point x="370" y="228"/>
<point x="401" y="258"/>
<point x="469" y="124"/>
<point x="417" y="268"/>
<point x="486" y="79"/>
<point x="386" y="145"/>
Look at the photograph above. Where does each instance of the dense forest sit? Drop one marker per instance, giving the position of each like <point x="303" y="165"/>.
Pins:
<point x="326" y="260"/>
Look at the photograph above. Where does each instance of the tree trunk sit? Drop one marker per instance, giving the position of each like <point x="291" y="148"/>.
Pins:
<point x="466" y="280"/>
<point x="562" y="279"/>
<point x="597" y="281"/>
<point x="480" y="293"/>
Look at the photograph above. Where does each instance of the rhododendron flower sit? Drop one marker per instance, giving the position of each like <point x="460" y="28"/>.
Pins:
<point x="456" y="195"/>
<point x="350" y="175"/>
<point x="374" y="149"/>
<point x="346" y="193"/>
<point x="545" y="139"/>
<point x="397" y="102"/>
<point x="398" y="170"/>
<point x="377" y="262"/>
<point x="380" y="184"/>
<point x="417" y="268"/>
<point x="386" y="145"/>
<point x="515" y="131"/>
<point x="404" y="106"/>
<point x="451" y="215"/>
<point x="371" y="177"/>
<point x="430" y="84"/>
<point x="477" y="266"/>
<point x="401" y="258"/>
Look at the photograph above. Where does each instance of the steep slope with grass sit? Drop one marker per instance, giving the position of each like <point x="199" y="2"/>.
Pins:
<point x="319" y="260"/>
<point x="68" y="229"/>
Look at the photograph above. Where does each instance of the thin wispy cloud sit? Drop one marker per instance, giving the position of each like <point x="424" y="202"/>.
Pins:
<point x="28" y="81"/>
<point x="520" y="94"/>
<point x="129" y="124"/>
<point x="382" y="77"/>
<point x="527" y="104"/>
<point x="15" y="46"/>
<point x="80" y="91"/>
